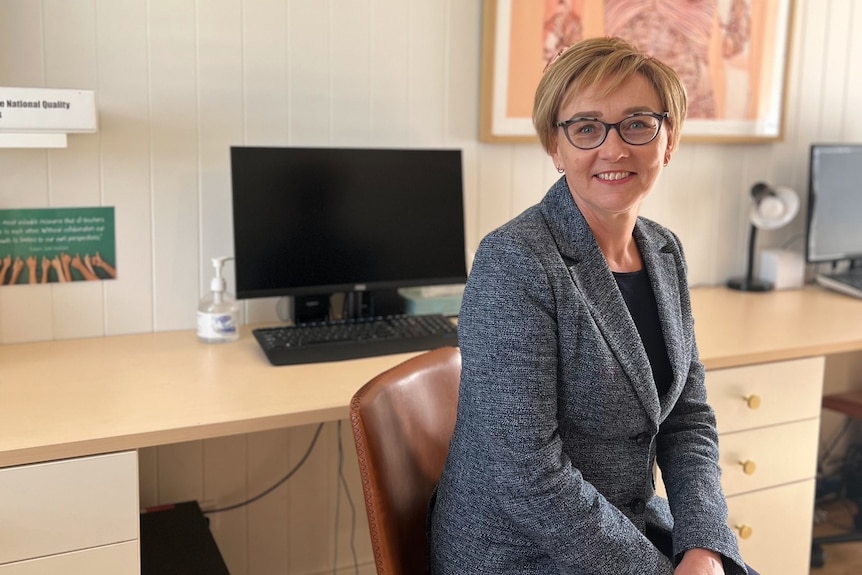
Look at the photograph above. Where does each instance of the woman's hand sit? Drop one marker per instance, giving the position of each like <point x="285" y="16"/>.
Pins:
<point x="700" y="562"/>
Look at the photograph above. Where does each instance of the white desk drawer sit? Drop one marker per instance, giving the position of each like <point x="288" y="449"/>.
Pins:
<point x="784" y="390"/>
<point x="119" y="559"/>
<point x="774" y="456"/>
<point x="60" y="506"/>
<point x="780" y="523"/>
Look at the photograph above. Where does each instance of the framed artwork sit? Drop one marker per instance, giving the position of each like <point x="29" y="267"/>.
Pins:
<point x="732" y="56"/>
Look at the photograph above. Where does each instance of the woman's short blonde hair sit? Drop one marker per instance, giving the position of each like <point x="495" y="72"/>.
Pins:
<point x="610" y="60"/>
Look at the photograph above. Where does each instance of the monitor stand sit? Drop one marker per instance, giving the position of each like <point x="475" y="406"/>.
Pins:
<point x="310" y="308"/>
<point x="359" y="304"/>
<point x="347" y="305"/>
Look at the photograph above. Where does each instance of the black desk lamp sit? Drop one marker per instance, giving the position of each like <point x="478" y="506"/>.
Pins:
<point x="771" y="208"/>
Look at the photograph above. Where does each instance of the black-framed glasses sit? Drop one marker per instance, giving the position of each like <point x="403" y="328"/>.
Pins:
<point x="637" y="130"/>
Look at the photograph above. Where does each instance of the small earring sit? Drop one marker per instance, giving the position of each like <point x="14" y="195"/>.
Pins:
<point x="561" y="170"/>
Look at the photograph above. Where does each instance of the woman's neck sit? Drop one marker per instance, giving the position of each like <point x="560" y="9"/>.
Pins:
<point x="615" y="239"/>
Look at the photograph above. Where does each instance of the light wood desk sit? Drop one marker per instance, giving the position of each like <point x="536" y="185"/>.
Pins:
<point x="69" y="399"/>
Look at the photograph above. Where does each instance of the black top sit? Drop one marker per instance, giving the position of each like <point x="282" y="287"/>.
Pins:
<point x="640" y="299"/>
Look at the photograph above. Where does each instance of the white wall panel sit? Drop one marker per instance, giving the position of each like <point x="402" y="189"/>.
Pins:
<point x="837" y="42"/>
<point x="462" y="97"/>
<point x="173" y="155"/>
<point x="22" y="37"/>
<point x="70" y="43"/>
<point x="428" y="53"/>
<point x="220" y="104"/>
<point x="124" y="132"/>
<point x="264" y="107"/>
<point x="24" y="172"/>
<point x="495" y="190"/>
<point x="74" y="175"/>
<point x="851" y="115"/>
<point x="350" y="85"/>
<point x="530" y="165"/>
<point x="26" y="313"/>
<point x="309" y="54"/>
<point x="388" y="67"/>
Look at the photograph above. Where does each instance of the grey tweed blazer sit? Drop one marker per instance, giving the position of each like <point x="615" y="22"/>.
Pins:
<point x="550" y="468"/>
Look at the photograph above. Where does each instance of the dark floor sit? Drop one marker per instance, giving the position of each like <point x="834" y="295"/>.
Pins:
<point x="839" y="558"/>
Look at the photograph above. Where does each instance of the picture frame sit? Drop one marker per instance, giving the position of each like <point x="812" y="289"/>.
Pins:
<point x="732" y="55"/>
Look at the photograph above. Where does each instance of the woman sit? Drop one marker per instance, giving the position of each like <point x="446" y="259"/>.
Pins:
<point x="580" y="368"/>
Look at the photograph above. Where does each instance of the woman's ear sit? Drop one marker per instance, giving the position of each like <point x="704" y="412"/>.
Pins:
<point x="555" y="155"/>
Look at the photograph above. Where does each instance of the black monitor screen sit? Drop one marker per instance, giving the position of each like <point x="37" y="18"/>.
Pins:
<point x="834" y="203"/>
<point x="326" y="220"/>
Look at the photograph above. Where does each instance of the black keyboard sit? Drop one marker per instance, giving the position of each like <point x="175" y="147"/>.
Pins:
<point x="849" y="282"/>
<point x="351" y="339"/>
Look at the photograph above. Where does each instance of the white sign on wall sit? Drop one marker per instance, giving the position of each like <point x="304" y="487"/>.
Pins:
<point x="47" y="110"/>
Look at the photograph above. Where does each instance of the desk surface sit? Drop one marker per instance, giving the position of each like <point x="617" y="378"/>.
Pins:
<point x="71" y="398"/>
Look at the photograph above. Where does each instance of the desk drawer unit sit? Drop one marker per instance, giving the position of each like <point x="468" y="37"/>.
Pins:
<point x="768" y="418"/>
<point x="86" y="508"/>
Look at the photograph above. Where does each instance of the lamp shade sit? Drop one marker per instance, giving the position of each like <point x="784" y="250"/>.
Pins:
<point x="772" y="207"/>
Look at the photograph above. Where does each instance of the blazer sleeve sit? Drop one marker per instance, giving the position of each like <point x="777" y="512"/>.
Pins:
<point x="687" y="454"/>
<point x="507" y="333"/>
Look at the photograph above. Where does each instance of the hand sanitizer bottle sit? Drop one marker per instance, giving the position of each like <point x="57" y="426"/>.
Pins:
<point x="218" y="312"/>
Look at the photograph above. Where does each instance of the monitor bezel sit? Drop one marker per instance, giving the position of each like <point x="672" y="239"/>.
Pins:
<point x="370" y="286"/>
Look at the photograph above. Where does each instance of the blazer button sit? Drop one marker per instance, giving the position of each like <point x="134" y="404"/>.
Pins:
<point x="637" y="505"/>
<point x="643" y="439"/>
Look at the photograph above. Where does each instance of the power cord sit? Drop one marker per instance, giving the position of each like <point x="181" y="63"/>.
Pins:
<point x="270" y="489"/>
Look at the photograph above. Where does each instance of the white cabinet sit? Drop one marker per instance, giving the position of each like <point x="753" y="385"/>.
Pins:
<point x="71" y="516"/>
<point x="768" y="419"/>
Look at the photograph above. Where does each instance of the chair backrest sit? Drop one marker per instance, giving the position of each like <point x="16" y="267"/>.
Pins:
<point x="402" y="421"/>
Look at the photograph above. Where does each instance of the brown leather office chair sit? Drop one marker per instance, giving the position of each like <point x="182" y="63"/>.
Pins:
<point x="850" y="404"/>
<point x="402" y="421"/>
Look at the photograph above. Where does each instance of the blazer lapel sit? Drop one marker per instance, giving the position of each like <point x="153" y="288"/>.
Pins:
<point x="594" y="280"/>
<point x="661" y="265"/>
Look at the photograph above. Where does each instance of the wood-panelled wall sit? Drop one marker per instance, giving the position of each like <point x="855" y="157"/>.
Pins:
<point x="178" y="82"/>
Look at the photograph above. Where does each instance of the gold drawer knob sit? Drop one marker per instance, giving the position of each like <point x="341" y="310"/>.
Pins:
<point x="748" y="467"/>
<point x="753" y="401"/>
<point x="745" y="531"/>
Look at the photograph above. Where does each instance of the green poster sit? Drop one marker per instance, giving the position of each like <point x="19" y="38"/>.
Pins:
<point x="55" y="245"/>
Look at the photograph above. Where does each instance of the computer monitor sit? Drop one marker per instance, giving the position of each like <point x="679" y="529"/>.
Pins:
<point x="318" y="221"/>
<point x="834" y="203"/>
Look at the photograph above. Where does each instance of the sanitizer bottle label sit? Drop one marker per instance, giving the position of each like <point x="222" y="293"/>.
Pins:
<point x="217" y="326"/>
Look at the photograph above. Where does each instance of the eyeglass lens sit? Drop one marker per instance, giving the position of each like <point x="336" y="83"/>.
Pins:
<point x="636" y="130"/>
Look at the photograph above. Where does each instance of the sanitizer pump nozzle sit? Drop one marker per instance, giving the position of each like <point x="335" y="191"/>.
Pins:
<point x="218" y="312"/>
<point x="218" y="285"/>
